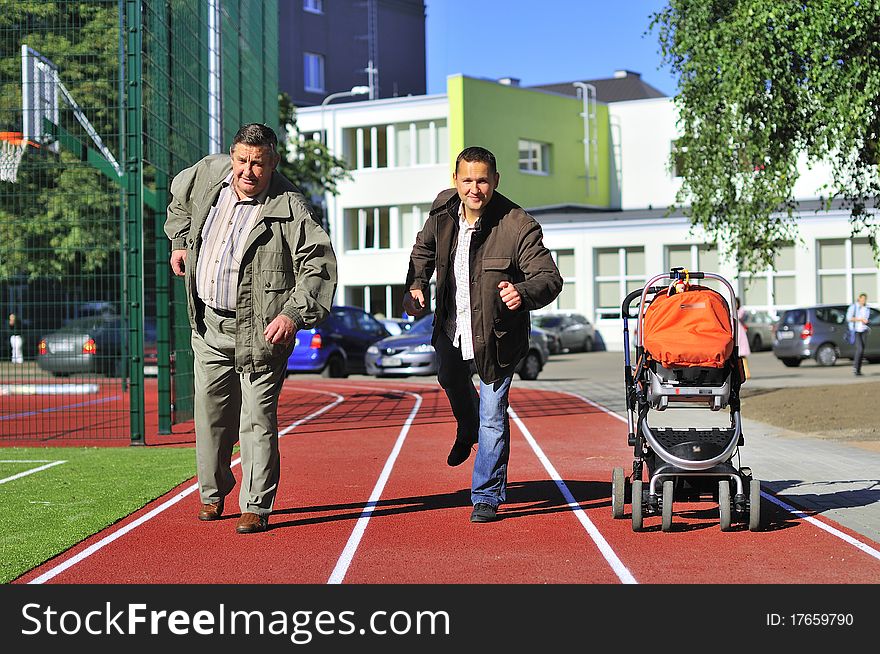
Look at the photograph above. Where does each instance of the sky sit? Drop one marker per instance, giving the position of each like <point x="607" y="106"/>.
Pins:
<point x="543" y="41"/>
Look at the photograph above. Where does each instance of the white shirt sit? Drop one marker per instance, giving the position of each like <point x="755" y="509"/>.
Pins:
<point x="858" y="311"/>
<point x="458" y="322"/>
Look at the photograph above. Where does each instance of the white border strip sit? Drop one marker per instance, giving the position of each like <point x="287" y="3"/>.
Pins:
<point x="91" y="549"/>
<point x="867" y="549"/>
<point x="616" y="564"/>
<point x="354" y="540"/>
<point x="29" y="472"/>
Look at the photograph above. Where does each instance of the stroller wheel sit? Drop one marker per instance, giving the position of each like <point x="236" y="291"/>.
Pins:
<point x="637" y="505"/>
<point x="724" y="504"/>
<point x="668" y="487"/>
<point x="618" y="491"/>
<point x="754" y="505"/>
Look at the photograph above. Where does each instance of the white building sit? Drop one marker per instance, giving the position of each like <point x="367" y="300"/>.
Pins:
<point x="400" y="154"/>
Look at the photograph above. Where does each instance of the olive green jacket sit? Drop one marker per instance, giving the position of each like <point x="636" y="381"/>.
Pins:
<point x="288" y="266"/>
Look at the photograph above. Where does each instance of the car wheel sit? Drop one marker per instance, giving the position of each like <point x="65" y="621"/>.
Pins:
<point x="335" y="367"/>
<point x="530" y="366"/>
<point x="826" y="355"/>
<point x="588" y="344"/>
<point x="791" y="362"/>
<point x="756" y="344"/>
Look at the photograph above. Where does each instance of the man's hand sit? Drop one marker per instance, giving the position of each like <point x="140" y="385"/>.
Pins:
<point x="414" y="302"/>
<point x="280" y="331"/>
<point x="510" y="296"/>
<point x="178" y="262"/>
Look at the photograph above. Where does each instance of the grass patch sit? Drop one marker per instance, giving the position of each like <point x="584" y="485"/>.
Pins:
<point x="47" y="512"/>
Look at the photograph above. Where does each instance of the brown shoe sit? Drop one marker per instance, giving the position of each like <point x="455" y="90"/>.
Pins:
<point x="252" y="523"/>
<point x="211" y="511"/>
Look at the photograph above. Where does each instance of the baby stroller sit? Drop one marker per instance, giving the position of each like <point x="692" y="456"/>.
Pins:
<point x="685" y="358"/>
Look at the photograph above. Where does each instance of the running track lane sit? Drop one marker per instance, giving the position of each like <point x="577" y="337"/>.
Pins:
<point x="418" y="530"/>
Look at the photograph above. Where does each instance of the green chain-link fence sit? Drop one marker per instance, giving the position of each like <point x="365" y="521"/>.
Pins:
<point x="104" y="101"/>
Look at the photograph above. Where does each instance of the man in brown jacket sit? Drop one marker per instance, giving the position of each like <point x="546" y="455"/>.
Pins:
<point x="492" y="270"/>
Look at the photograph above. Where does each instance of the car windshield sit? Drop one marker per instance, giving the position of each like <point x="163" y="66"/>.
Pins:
<point x="548" y="321"/>
<point x="423" y="325"/>
<point x="89" y="323"/>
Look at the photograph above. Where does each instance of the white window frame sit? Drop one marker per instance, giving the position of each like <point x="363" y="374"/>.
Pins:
<point x="622" y="278"/>
<point x="770" y="275"/>
<point x="848" y="272"/>
<point x="570" y="279"/>
<point x="538" y="161"/>
<point x="313" y="65"/>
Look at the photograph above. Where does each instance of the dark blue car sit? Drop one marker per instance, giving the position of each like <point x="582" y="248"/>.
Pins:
<point x="337" y="346"/>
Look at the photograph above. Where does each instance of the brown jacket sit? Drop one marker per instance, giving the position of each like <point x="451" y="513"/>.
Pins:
<point x="507" y="245"/>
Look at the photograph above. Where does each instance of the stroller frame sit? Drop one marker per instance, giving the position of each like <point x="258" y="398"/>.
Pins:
<point x="680" y="458"/>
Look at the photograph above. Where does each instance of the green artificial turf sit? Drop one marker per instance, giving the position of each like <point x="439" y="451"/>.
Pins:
<point x="44" y="513"/>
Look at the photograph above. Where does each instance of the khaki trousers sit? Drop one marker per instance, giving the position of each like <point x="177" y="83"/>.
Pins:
<point x="231" y="407"/>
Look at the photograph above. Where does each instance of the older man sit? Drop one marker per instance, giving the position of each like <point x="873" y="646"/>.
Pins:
<point x="258" y="267"/>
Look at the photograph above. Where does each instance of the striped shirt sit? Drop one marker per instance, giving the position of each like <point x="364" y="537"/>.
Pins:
<point x="224" y="236"/>
<point x="458" y="322"/>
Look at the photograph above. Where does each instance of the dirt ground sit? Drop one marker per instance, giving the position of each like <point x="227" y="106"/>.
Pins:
<point x="841" y="412"/>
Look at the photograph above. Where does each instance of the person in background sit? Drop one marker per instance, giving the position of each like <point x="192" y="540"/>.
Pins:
<point x="742" y="338"/>
<point x="16" y="340"/>
<point x="492" y="270"/>
<point x="258" y="267"/>
<point x="857" y="320"/>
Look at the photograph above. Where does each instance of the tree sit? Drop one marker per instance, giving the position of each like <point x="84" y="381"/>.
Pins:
<point x="764" y="86"/>
<point x="60" y="219"/>
<point x="305" y="161"/>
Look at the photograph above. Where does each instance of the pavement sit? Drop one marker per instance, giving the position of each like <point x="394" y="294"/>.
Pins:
<point x="817" y="476"/>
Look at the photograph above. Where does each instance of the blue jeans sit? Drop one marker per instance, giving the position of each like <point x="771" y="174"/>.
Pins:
<point x="483" y="414"/>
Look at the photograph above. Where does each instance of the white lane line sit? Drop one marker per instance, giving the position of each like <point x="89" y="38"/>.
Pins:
<point x="772" y="498"/>
<point x="867" y="549"/>
<point x="616" y="564"/>
<point x="31" y="471"/>
<point x="354" y="540"/>
<point x="91" y="549"/>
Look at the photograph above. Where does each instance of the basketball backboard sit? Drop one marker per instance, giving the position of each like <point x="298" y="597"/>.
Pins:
<point x="39" y="97"/>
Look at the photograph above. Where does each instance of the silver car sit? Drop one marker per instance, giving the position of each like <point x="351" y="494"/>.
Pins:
<point x="411" y="353"/>
<point x="760" y="326"/>
<point x="819" y="332"/>
<point x="573" y="331"/>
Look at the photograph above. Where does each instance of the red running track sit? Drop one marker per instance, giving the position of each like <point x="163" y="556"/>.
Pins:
<point x="366" y="497"/>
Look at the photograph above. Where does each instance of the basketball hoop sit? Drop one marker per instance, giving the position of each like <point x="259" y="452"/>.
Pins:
<point x="12" y="148"/>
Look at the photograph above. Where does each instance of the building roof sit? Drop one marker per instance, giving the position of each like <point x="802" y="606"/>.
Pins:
<point x="625" y="85"/>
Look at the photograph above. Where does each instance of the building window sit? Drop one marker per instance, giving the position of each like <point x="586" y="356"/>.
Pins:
<point x="382" y="228"/>
<point x="366" y="147"/>
<point x="313" y="6"/>
<point x="379" y="299"/>
<point x="313" y="72"/>
<point x="399" y="145"/>
<point x="618" y="272"/>
<point x="677" y="156"/>
<point x="774" y="288"/>
<point x="567" y="299"/>
<point x="702" y="257"/>
<point x="534" y="157"/>
<point x="846" y="268"/>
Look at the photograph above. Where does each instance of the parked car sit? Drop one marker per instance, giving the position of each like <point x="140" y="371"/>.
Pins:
<point x="337" y="346"/>
<point x="396" y="326"/>
<point x="411" y="353"/>
<point x="819" y="332"/>
<point x="574" y="331"/>
<point x="759" y="326"/>
<point x="93" y="344"/>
